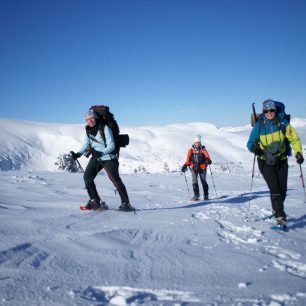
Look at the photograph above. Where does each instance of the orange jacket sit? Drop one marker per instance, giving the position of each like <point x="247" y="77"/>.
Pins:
<point x="197" y="157"/>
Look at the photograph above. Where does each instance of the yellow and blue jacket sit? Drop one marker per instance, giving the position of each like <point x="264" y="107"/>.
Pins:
<point x="278" y="129"/>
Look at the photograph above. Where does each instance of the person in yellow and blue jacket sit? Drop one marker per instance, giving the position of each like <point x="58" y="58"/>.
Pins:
<point x="269" y="140"/>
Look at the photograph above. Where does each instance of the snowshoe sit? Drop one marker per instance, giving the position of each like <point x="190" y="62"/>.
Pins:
<point x="126" y="207"/>
<point x="281" y="225"/>
<point x="280" y="228"/>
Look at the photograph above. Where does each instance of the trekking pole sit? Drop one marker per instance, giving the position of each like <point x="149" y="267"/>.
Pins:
<point x="212" y="178"/>
<point x="187" y="185"/>
<point x="303" y="184"/>
<point x="80" y="166"/>
<point x="249" y="206"/>
<point x="118" y="189"/>
<point x="253" y="170"/>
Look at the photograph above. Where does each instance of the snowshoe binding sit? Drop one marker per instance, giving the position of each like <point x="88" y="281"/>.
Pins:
<point x="95" y="204"/>
<point x="126" y="207"/>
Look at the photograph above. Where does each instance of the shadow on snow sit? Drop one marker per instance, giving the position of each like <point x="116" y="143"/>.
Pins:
<point x="239" y="199"/>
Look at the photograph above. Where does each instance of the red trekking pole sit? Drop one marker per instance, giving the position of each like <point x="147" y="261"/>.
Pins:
<point x="80" y="165"/>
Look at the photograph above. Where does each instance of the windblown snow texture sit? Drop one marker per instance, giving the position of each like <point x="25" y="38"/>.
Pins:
<point x="171" y="252"/>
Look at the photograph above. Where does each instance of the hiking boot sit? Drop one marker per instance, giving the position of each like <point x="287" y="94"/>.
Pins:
<point x="195" y="198"/>
<point x="89" y="204"/>
<point x="103" y="205"/>
<point x="206" y="198"/>
<point x="281" y="221"/>
<point x="126" y="207"/>
<point x="95" y="204"/>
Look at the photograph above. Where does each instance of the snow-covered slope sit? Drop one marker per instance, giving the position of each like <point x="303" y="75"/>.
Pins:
<point x="171" y="252"/>
<point x="152" y="148"/>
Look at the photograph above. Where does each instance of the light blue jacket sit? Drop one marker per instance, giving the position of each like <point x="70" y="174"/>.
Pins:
<point x="97" y="143"/>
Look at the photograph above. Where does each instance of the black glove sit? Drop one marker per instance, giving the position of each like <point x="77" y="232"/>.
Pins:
<point x="75" y="155"/>
<point x="299" y="158"/>
<point x="257" y="150"/>
<point x="95" y="153"/>
<point x="184" y="168"/>
<point x="209" y="162"/>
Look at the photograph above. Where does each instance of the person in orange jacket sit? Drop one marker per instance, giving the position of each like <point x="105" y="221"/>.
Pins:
<point x="197" y="160"/>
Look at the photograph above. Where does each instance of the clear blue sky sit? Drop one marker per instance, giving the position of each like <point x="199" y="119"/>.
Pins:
<point x="153" y="62"/>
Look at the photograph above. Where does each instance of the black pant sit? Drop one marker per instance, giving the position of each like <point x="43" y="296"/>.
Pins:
<point x="276" y="178"/>
<point x="202" y="174"/>
<point x="112" y="169"/>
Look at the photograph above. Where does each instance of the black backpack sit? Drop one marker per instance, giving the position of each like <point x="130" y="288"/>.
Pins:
<point x="107" y="118"/>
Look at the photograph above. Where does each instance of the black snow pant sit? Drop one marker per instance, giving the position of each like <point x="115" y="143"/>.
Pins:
<point x="112" y="169"/>
<point x="202" y="174"/>
<point x="276" y="178"/>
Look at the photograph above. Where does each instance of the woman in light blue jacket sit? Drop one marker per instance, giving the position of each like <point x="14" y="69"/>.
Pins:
<point x="103" y="157"/>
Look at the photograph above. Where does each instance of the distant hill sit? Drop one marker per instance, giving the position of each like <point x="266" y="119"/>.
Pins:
<point x="152" y="148"/>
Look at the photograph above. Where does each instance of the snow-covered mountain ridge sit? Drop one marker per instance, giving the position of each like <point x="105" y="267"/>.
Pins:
<point x="152" y="148"/>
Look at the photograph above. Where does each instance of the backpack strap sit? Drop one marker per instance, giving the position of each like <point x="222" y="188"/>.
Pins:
<point x="195" y="156"/>
<point x="101" y="131"/>
<point x="93" y="139"/>
<point x="282" y="127"/>
<point x="261" y="123"/>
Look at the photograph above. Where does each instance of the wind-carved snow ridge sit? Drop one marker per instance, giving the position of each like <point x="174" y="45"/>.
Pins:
<point x="231" y="233"/>
<point x="293" y="267"/>
<point x="121" y="296"/>
<point x="23" y="255"/>
<point x="287" y="261"/>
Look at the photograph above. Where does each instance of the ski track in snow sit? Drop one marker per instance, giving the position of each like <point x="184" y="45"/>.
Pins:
<point x="170" y="253"/>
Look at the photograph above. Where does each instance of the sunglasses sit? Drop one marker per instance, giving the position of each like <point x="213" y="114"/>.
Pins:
<point x="90" y="118"/>
<point x="269" y="111"/>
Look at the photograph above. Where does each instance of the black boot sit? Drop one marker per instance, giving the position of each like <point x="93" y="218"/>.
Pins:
<point x="280" y="221"/>
<point x="196" y="192"/>
<point x="96" y="204"/>
<point x="126" y="207"/>
<point x="205" y="190"/>
<point x="278" y="205"/>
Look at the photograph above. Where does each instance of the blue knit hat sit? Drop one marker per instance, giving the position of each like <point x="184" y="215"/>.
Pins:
<point x="268" y="104"/>
<point x="91" y="114"/>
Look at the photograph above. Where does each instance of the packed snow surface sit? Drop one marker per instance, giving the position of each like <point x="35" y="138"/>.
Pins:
<point x="171" y="251"/>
